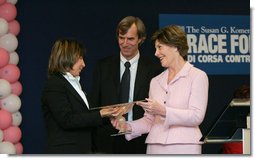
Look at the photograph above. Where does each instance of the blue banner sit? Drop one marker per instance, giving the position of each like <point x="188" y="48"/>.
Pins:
<point x="218" y="44"/>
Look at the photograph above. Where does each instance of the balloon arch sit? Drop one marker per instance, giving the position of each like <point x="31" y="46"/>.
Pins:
<point x="10" y="87"/>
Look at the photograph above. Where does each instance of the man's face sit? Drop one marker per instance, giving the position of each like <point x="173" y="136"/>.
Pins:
<point x="129" y="43"/>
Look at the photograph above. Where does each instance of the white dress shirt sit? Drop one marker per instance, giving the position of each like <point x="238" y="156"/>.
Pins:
<point x="75" y="82"/>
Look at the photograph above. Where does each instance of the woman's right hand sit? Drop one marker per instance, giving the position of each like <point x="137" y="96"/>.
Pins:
<point x="120" y="124"/>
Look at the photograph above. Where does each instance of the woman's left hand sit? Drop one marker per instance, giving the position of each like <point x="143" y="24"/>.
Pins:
<point x="153" y="107"/>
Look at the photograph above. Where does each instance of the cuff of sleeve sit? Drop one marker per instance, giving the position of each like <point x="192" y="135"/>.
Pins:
<point x="133" y="133"/>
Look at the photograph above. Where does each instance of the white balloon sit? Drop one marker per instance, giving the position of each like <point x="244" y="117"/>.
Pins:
<point x="7" y="148"/>
<point x="14" y="58"/>
<point x="11" y="103"/>
<point x="3" y="26"/>
<point x="12" y="1"/>
<point x="16" y="118"/>
<point x="5" y="88"/>
<point x="1" y="135"/>
<point x="9" y="42"/>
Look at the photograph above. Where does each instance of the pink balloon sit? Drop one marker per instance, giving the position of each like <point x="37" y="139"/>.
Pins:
<point x="14" y="27"/>
<point x="4" y="57"/>
<point x="19" y="148"/>
<point x="12" y="134"/>
<point x="10" y="73"/>
<point x="5" y="119"/>
<point x="8" y="11"/>
<point x="16" y="88"/>
<point x="2" y="2"/>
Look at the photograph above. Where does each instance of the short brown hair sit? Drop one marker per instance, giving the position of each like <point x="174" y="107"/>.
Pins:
<point x="173" y="35"/>
<point x="127" y="22"/>
<point x="64" y="54"/>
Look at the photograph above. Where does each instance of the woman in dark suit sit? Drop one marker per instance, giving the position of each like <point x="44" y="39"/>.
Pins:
<point x="69" y="122"/>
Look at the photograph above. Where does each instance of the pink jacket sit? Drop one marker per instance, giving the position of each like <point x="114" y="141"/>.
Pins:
<point x="185" y="99"/>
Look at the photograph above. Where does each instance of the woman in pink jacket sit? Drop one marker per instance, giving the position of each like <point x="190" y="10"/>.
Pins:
<point x="177" y="99"/>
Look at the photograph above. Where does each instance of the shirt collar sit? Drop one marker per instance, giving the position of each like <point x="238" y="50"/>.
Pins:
<point x="132" y="61"/>
<point x="71" y="77"/>
<point x="183" y="72"/>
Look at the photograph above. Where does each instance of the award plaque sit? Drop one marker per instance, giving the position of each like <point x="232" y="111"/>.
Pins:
<point x="123" y="109"/>
<point x="117" y="105"/>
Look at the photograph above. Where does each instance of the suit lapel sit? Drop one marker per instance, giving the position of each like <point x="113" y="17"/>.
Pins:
<point x="140" y="75"/>
<point x="116" y="72"/>
<point x="72" y="90"/>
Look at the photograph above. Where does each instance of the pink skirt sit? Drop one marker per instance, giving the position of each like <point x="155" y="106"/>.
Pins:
<point x="174" y="149"/>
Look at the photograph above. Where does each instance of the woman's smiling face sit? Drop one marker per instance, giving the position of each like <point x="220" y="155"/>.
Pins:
<point x="166" y="54"/>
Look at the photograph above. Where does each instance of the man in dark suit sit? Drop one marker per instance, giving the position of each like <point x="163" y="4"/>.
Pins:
<point x="130" y="33"/>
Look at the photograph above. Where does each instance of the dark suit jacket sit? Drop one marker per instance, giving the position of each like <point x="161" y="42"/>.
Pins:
<point x="69" y="123"/>
<point x="105" y="91"/>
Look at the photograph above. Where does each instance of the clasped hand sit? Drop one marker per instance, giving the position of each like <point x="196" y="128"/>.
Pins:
<point x="120" y="124"/>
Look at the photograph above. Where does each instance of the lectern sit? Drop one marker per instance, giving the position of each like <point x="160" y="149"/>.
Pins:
<point x="232" y="125"/>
